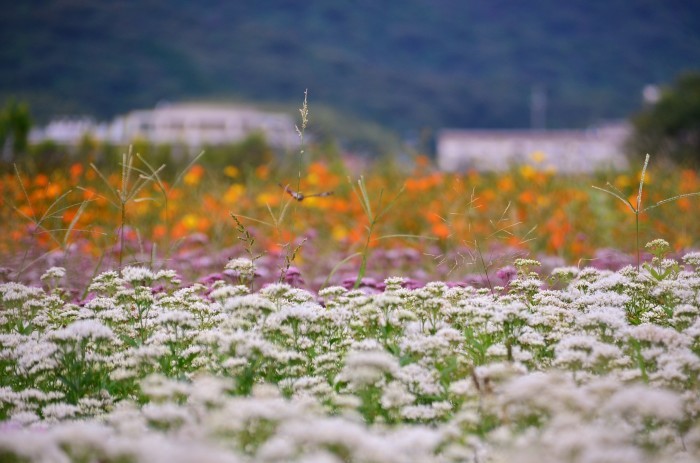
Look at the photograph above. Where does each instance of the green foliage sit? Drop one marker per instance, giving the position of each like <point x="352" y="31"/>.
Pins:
<point x="47" y="156"/>
<point x="407" y="64"/>
<point x="353" y="133"/>
<point x="671" y="126"/>
<point x="15" y="123"/>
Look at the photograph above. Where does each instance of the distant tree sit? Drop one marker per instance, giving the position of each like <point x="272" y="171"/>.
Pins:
<point x="15" y="123"/>
<point x="670" y="127"/>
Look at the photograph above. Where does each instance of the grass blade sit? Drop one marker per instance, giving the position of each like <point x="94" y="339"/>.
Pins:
<point x="669" y="200"/>
<point x="337" y="267"/>
<point x="641" y="182"/>
<point x="80" y="211"/>
<point x="24" y="191"/>
<point x="406" y="235"/>
<point x="187" y="168"/>
<point x="612" y="193"/>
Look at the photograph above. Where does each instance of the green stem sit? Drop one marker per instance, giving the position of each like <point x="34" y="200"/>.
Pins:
<point x="121" y="235"/>
<point x="365" y="251"/>
<point x="641" y="362"/>
<point x="636" y="216"/>
<point x="167" y="229"/>
<point x="483" y="265"/>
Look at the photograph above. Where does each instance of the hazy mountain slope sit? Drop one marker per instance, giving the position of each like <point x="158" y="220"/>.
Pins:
<point x="407" y="64"/>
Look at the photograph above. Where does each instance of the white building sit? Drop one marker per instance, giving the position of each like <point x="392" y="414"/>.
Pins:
<point x="562" y="150"/>
<point x="64" y="130"/>
<point x="193" y="125"/>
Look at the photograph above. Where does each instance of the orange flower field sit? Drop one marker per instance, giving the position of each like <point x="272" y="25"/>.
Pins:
<point x="441" y="225"/>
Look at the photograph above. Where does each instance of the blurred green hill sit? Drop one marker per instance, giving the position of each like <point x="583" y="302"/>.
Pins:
<point x="407" y="65"/>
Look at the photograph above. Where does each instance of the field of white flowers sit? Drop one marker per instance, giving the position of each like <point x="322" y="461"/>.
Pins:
<point x="582" y="365"/>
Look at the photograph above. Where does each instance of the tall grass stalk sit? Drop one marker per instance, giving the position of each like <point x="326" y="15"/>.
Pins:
<point x="127" y="193"/>
<point x="54" y="211"/>
<point x="637" y="209"/>
<point x="501" y="229"/>
<point x="304" y="112"/>
<point x="373" y="218"/>
<point x="290" y="252"/>
<point x="167" y="190"/>
<point x="246" y="238"/>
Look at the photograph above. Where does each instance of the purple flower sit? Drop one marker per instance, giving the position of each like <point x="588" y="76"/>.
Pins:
<point x="457" y="284"/>
<point x="411" y="283"/>
<point x="476" y="281"/>
<point x="610" y="259"/>
<point x="211" y="278"/>
<point x="506" y="274"/>
<point x="367" y="283"/>
<point x="81" y="302"/>
<point x="293" y="277"/>
<point x="196" y="238"/>
<point x="157" y="289"/>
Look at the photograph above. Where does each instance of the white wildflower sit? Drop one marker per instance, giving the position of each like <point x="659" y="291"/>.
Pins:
<point x="420" y="379"/>
<point x="166" y="414"/>
<point x="167" y="275"/>
<point x="134" y="275"/>
<point x="659" y="335"/>
<point x="584" y="352"/>
<point x="249" y="304"/>
<point x="54" y="273"/>
<point x="24" y="418"/>
<point x="642" y="401"/>
<point x="59" y="411"/>
<point x="396" y="395"/>
<point x="394" y="283"/>
<point x="425" y="412"/>
<point x="224" y="292"/>
<point x="180" y="318"/>
<point x="83" y="329"/>
<point x="242" y="266"/>
<point x="332" y="292"/>
<point x="15" y="292"/>
<point x="693" y="259"/>
<point x="463" y="387"/>
<point x="363" y="369"/>
<point x="564" y="273"/>
<point x="160" y="388"/>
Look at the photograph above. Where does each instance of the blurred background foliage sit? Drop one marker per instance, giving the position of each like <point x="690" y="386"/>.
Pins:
<point x="406" y="65"/>
<point x="671" y="126"/>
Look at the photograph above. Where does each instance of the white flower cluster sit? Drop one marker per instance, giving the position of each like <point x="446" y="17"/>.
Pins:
<point x="603" y="367"/>
<point x="243" y="268"/>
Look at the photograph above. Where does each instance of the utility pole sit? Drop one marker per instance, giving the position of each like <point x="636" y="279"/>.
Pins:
<point x="538" y="108"/>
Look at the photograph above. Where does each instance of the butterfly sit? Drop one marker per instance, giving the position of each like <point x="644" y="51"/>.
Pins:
<point x="300" y="196"/>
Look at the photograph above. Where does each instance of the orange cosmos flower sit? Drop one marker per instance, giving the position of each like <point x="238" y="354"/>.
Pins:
<point x="194" y="175"/>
